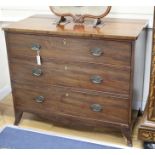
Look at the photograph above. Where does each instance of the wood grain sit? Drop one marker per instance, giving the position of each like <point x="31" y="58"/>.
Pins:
<point x="67" y="101"/>
<point x="100" y="133"/>
<point x="71" y="74"/>
<point x="67" y="68"/>
<point x="113" y="28"/>
<point x="151" y="97"/>
<point x="114" y="52"/>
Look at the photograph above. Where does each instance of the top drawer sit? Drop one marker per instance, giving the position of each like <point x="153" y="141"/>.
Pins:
<point x="85" y="50"/>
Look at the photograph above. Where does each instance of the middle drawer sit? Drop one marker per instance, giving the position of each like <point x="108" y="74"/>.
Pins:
<point x="112" y="79"/>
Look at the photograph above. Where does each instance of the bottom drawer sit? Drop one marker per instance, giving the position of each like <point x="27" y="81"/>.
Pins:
<point x="89" y="105"/>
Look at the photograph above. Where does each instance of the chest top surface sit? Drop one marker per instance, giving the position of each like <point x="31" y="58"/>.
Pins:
<point x="122" y="29"/>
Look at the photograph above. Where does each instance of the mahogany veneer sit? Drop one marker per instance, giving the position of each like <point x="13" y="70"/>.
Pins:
<point x="86" y="74"/>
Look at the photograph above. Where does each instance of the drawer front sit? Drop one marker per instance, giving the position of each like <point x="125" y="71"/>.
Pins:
<point x="85" y="50"/>
<point x="34" y="99"/>
<point x="80" y="75"/>
<point x="68" y="101"/>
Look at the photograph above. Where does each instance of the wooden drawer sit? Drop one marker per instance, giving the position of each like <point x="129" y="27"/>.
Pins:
<point x="31" y="98"/>
<point x="97" y="77"/>
<point x="85" y="50"/>
<point x="96" y="106"/>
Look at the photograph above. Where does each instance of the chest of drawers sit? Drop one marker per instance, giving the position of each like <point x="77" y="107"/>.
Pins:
<point x="86" y="74"/>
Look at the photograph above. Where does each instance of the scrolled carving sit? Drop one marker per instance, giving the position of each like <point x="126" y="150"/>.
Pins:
<point x="79" y="13"/>
<point x="78" y="19"/>
<point x="147" y="135"/>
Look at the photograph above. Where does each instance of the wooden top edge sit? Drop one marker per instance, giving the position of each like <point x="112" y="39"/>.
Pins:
<point x="112" y="28"/>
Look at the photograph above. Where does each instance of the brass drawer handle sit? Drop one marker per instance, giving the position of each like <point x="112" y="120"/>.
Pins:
<point x="36" y="47"/>
<point x="36" y="72"/>
<point x="96" y="107"/>
<point x="96" y="79"/>
<point x="39" y="99"/>
<point x="96" y="51"/>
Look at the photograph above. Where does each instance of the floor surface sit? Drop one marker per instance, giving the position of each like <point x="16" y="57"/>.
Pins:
<point x="36" y="123"/>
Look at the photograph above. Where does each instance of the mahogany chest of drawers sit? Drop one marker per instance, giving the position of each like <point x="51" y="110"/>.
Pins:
<point x="75" y="75"/>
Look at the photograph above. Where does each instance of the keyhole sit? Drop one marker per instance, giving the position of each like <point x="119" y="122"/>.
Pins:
<point x="66" y="94"/>
<point x="64" y="42"/>
<point x="66" y="68"/>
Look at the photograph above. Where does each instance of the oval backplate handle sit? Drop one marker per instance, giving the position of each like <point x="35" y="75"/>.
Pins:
<point x="36" y="47"/>
<point x="96" y="52"/>
<point x="96" y="107"/>
<point x="39" y="99"/>
<point x="96" y="79"/>
<point x="36" y="72"/>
